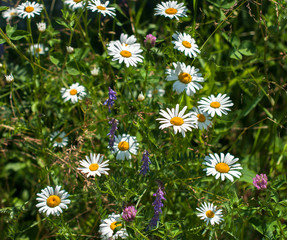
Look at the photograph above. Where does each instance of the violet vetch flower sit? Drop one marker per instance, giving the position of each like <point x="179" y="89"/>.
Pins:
<point x="157" y="204"/>
<point x="129" y="213"/>
<point x="110" y="101"/>
<point x="111" y="134"/>
<point x="146" y="161"/>
<point x="260" y="181"/>
<point x="149" y="41"/>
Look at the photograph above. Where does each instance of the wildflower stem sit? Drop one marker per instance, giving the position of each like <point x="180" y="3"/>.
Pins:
<point x="3" y="35"/>
<point x="219" y="26"/>
<point x="138" y="231"/>
<point x="100" y="35"/>
<point x="32" y="41"/>
<point x="46" y="13"/>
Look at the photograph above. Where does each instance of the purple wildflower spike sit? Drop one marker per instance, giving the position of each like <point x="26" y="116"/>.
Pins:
<point x="111" y="134"/>
<point x="157" y="204"/>
<point x="146" y="161"/>
<point x="110" y="101"/>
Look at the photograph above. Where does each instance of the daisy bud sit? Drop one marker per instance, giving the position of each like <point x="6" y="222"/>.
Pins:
<point x="129" y="213"/>
<point x="9" y="78"/>
<point x="41" y="27"/>
<point x="260" y="181"/>
<point x="1" y="65"/>
<point x="95" y="71"/>
<point x="70" y="49"/>
<point x="141" y="97"/>
<point x="149" y="41"/>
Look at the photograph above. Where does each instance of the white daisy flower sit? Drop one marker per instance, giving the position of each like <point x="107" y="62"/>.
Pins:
<point x="94" y="165"/>
<point x="96" y="5"/>
<point x="9" y="78"/>
<point x="156" y="91"/>
<point x="59" y="138"/>
<point x="185" y="77"/>
<point x="215" y="105"/>
<point x="108" y="226"/>
<point x="8" y="14"/>
<point x="171" y="9"/>
<point x="38" y="49"/>
<point x="185" y="43"/>
<point x="74" y="4"/>
<point x="129" y="54"/>
<point x="29" y="9"/>
<point x="177" y="120"/>
<point x="74" y="93"/>
<point x="124" y="146"/>
<point x="52" y="201"/>
<point x="202" y="119"/>
<point x="209" y="214"/>
<point x="222" y="166"/>
<point x="41" y="26"/>
<point x="126" y="40"/>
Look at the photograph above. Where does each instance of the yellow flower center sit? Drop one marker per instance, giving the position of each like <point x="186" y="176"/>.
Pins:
<point x="77" y="1"/>
<point x="59" y="139"/>
<point x="53" y="201"/>
<point x="126" y="53"/>
<point x="38" y="50"/>
<point x="29" y="9"/>
<point x="73" y="91"/>
<point x="215" y="104"/>
<point x="200" y="117"/>
<point x="12" y="14"/>
<point x="209" y="214"/>
<point x="171" y="11"/>
<point x="123" y="146"/>
<point x="177" y="121"/>
<point x="186" y="44"/>
<point x="114" y="225"/>
<point x="94" y="167"/>
<point x="101" y="8"/>
<point x="184" y="77"/>
<point x="222" y="167"/>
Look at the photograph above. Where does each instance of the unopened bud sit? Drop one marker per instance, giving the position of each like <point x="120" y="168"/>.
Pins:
<point x="141" y="97"/>
<point x="70" y="49"/>
<point x="41" y="27"/>
<point x="9" y="78"/>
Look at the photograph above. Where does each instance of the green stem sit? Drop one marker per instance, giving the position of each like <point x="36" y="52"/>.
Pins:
<point x="3" y="35"/>
<point x="100" y="35"/>
<point x="138" y="231"/>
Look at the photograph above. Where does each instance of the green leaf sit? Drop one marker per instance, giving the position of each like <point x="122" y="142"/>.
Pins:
<point x="3" y="8"/>
<point x="235" y="54"/>
<point x="18" y="34"/>
<point x="71" y="68"/>
<point x="57" y="58"/>
<point x="247" y="175"/>
<point x="10" y="30"/>
<point x="222" y="3"/>
<point x="247" y="48"/>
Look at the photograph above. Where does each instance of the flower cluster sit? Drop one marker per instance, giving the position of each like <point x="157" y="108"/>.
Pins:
<point x="129" y="213"/>
<point x="260" y="181"/>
